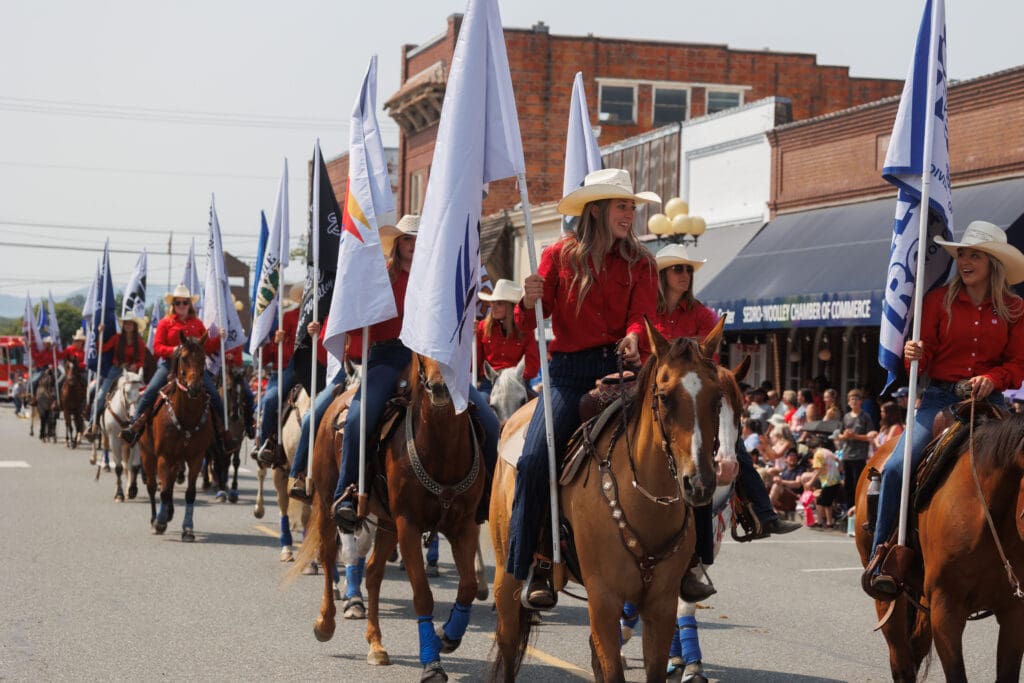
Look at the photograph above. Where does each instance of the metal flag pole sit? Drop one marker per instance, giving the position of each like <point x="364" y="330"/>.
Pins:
<point x="223" y="354"/>
<point x="259" y="387"/>
<point x="542" y="344"/>
<point x="922" y="237"/>
<point x="362" y="412"/>
<point x="314" y="238"/>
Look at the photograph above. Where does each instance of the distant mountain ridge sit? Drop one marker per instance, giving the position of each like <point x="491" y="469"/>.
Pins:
<point x="14" y="306"/>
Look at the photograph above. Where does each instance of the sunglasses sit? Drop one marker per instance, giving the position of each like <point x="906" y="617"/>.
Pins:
<point x="680" y="268"/>
<point x="182" y="302"/>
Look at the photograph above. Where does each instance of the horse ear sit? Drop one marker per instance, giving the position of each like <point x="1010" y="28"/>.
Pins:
<point x="181" y="336"/>
<point x="658" y="343"/>
<point x="709" y="347"/>
<point x="742" y="369"/>
<point x="490" y="373"/>
<point x="350" y="367"/>
<point x="521" y="366"/>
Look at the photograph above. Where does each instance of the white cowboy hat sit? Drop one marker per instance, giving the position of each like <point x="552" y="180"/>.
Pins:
<point x="608" y="183"/>
<point x="504" y="290"/>
<point x="778" y="420"/>
<point x="180" y="292"/>
<point x="79" y="335"/>
<point x="140" y="323"/>
<point x="675" y="254"/>
<point x="294" y="298"/>
<point x="408" y="225"/>
<point x="991" y="239"/>
<point x="47" y="339"/>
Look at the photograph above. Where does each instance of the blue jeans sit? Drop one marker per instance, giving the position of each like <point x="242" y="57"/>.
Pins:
<point x="112" y="377"/>
<point x="160" y="379"/>
<point x="323" y="401"/>
<point x="933" y="401"/>
<point x="271" y="400"/>
<point x="572" y="376"/>
<point x="754" y="485"/>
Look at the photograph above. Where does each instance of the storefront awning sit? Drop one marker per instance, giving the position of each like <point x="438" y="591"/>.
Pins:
<point x="826" y="267"/>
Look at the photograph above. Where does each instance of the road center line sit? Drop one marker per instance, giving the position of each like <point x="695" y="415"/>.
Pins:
<point x="835" y="569"/>
<point x="13" y="464"/>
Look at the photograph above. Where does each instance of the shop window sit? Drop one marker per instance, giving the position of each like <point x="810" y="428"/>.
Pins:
<point x="618" y="103"/>
<point x="720" y="100"/>
<point x="671" y="105"/>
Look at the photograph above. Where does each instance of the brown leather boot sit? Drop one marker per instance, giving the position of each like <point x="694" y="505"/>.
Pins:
<point x="133" y="432"/>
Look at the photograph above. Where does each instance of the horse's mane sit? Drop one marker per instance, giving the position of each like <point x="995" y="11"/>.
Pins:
<point x="998" y="442"/>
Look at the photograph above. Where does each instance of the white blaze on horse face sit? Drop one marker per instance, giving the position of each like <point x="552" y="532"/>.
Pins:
<point x="728" y="433"/>
<point x="692" y="384"/>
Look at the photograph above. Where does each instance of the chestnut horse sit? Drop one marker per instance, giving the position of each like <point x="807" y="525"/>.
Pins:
<point x="960" y="571"/>
<point x="72" y="402"/>
<point x="635" y="542"/>
<point x="179" y="434"/>
<point x="435" y="487"/>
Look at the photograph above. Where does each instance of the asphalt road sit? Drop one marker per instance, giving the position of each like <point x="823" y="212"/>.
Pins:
<point x="88" y="593"/>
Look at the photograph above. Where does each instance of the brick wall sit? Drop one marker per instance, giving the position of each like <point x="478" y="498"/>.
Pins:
<point x="839" y="157"/>
<point x="543" y="67"/>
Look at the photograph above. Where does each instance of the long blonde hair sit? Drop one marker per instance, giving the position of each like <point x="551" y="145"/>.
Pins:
<point x="593" y="239"/>
<point x="999" y="289"/>
<point x="508" y="325"/>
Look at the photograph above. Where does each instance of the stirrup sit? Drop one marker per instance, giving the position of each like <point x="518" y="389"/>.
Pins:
<point x="538" y="593"/>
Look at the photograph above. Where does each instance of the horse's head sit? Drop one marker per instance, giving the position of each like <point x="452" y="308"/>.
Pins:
<point x="729" y="419"/>
<point x="352" y="373"/>
<point x="428" y="373"/>
<point x="131" y="384"/>
<point x="509" y="390"/>
<point x="685" y="402"/>
<point x="188" y="364"/>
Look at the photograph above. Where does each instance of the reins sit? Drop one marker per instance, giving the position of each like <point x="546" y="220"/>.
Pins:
<point x="1014" y="583"/>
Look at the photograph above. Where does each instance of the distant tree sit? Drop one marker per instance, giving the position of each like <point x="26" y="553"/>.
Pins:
<point x="69" y="317"/>
<point x="78" y="300"/>
<point x="10" y="326"/>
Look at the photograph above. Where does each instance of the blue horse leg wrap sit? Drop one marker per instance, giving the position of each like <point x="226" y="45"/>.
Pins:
<point x="286" y="531"/>
<point x="686" y="629"/>
<point x="432" y="549"/>
<point x="352" y="579"/>
<point x="161" y="515"/>
<point x="677" y="647"/>
<point x="629" y="619"/>
<point x="430" y="644"/>
<point x="360" y="571"/>
<point x="458" y="621"/>
<point x="186" y="523"/>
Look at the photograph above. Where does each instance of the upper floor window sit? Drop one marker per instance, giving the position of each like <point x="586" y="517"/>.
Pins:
<point x="719" y="100"/>
<point x="671" y="105"/>
<point x="417" y="186"/>
<point x="617" y="103"/>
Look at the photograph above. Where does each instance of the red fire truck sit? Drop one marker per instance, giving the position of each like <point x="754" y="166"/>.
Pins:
<point x="12" y="362"/>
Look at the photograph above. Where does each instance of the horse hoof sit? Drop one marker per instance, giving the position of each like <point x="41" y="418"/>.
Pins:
<point x="187" y="536"/>
<point x="378" y="658"/>
<point x="311" y="569"/>
<point x="106" y="467"/>
<point x="92" y="459"/>
<point x="159" y="527"/>
<point x="535" y="618"/>
<point x="482" y="592"/>
<point x="133" y="491"/>
<point x="433" y="570"/>
<point x="221" y="496"/>
<point x="354" y="608"/>
<point x="233" y="496"/>
<point x="447" y="646"/>
<point x="287" y="555"/>
<point x="322" y="633"/>
<point x="257" y="511"/>
<point x="181" y="478"/>
<point x="119" y="497"/>
<point x="433" y="673"/>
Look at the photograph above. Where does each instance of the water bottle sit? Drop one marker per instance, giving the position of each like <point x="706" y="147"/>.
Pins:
<point x="874" y="489"/>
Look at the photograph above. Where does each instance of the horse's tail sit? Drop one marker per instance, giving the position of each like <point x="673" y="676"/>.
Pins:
<point x="310" y="544"/>
<point x="522" y="643"/>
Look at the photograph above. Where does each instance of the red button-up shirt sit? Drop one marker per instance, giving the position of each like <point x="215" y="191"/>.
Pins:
<point x="694" y="322"/>
<point x="133" y="355"/>
<point x="290" y="325"/>
<point x="42" y="359"/>
<point x="978" y="342"/>
<point x="619" y="298"/>
<point x="386" y="330"/>
<point x="76" y="354"/>
<point x="505" y="352"/>
<point x="166" y="339"/>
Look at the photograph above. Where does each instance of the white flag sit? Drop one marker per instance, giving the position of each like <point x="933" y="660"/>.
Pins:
<point x="904" y="168"/>
<point x="190" y="278"/>
<point x="582" y="153"/>
<point x="275" y="260"/>
<point x="134" y="304"/>
<point x="478" y="142"/>
<point x="30" y="326"/>
<point x="219" y="309"/>
<point x="158" y="313"/>
<point x="362" y="291"/>
<point x="54" y="324"/>
<point x="88" y="308"/>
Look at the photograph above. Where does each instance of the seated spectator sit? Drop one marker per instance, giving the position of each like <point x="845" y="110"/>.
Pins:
<point x="787" y="484"/>
<point x="758" y="407"/>
<point x="781" y="440"/>
<point x="789" y="401"/>
<point x="891" y="425"/>
<point x="832" y="410"/>
<point x="775" y="403"/>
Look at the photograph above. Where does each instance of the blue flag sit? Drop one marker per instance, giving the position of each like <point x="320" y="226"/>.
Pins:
<point x="103" y="312"/>
<point x="261" y="248"/>
<point x="904" y="167"/>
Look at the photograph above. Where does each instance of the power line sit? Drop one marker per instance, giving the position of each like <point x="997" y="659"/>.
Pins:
<point x="108" y="228"/>
<point x="147" y="171"/>
<point x="93" y="250"/>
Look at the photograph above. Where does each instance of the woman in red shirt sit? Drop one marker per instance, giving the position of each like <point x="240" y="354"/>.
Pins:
<point x="129" y="354"/>
<point x="679" y="312"/>
<point x="972" y="336"/>
<point x="499" y="341"/>
<point x="596" y="284"/>
<point x="181" y="318"/>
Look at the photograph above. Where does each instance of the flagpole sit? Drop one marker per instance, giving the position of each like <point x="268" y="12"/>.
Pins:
<point x="362" y="411"/>
<point x="542" y="344"/>
<point x="259" y="387"/>
<point x="99" y="342"/>
<point x="314" y="238"/>
<point x="922" y="237"/>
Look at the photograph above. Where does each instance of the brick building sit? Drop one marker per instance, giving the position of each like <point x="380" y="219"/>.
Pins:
<point x="806" y="292"/>
<point x="633" y="86"/>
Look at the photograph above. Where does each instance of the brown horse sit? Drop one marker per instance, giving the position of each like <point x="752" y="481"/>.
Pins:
<point x="72" y="402"/>
<point x="44" y="404"/>
<point x="960" y="571"/>
<point x="220" y="460"/>
<point x="435" y="487"/>
<point x="634" y="542"/>
<point x="179" y="433"/>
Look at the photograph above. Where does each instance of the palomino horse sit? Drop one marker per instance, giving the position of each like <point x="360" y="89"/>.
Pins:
<point x="117" y="415"/>
<point x="509" y="390"/>
<point x="44" y="404"/>
<point x="291" y="427"/>
<point x="434" y="475"/>
<point x="179" y="434"/>
<point x="72" y="402"/>
<point x="634" y="541"/>
<point x="961" y="572"/>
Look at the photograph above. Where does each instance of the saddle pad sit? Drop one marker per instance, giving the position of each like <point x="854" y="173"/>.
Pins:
<point x="512" y="449"/>
<point x="581" y="444"/>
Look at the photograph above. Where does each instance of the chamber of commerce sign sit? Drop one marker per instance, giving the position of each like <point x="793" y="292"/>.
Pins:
<point x="862" y="308"/>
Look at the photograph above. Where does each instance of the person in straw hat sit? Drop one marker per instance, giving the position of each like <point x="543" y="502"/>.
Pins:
<point x="76" y="352"/>
<point x="180" y="319"/>
<point x="972" y="341"/>
<point x="499" y="341"/>
<point x="594" y="317"/>
<point x="388" y="360"/>
<point x="267" y="453"/>
<point x="129" y="353"/>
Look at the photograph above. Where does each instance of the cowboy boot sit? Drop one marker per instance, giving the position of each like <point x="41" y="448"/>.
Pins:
<point x="692" y="589"/>
<point x="343" y="512"/>
<point x="298" y="489"/>
<point x="133" y="432"/>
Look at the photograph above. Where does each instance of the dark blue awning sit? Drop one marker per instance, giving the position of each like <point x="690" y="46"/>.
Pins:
<point x="826" y="267"/>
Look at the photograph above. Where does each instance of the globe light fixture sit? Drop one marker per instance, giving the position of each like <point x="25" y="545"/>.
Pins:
<point x="676" y="225"/>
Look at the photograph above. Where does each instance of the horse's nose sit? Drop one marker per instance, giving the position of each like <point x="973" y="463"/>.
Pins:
<point x="694" y="490"/>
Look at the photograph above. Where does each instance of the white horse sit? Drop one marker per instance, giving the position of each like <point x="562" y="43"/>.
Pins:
<point x="509" y="390"/>
<point x="120" y="407"/>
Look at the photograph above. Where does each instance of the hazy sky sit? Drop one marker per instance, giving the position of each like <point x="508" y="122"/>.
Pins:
<point x="120" y="118"/>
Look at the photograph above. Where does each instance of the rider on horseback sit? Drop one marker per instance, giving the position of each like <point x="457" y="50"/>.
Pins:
<point x="42" y="360"/>
<point x="76" y="352"/>
<point x="180" y="319"/>
<point x="388" y="360"/>
<point x="972" y="334"/>
<point x="129" y="354"/>
<point x="499" y="341"/>
<point x="266" y="453"/>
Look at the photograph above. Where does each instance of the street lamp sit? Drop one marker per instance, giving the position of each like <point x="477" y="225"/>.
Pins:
<point x="677" y="226"/>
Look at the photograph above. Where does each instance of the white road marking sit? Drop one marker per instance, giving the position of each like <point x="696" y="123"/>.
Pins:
<point x="243" y="470"/>
<point x="13" y="464"/>
<point x="834" y="569"/>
